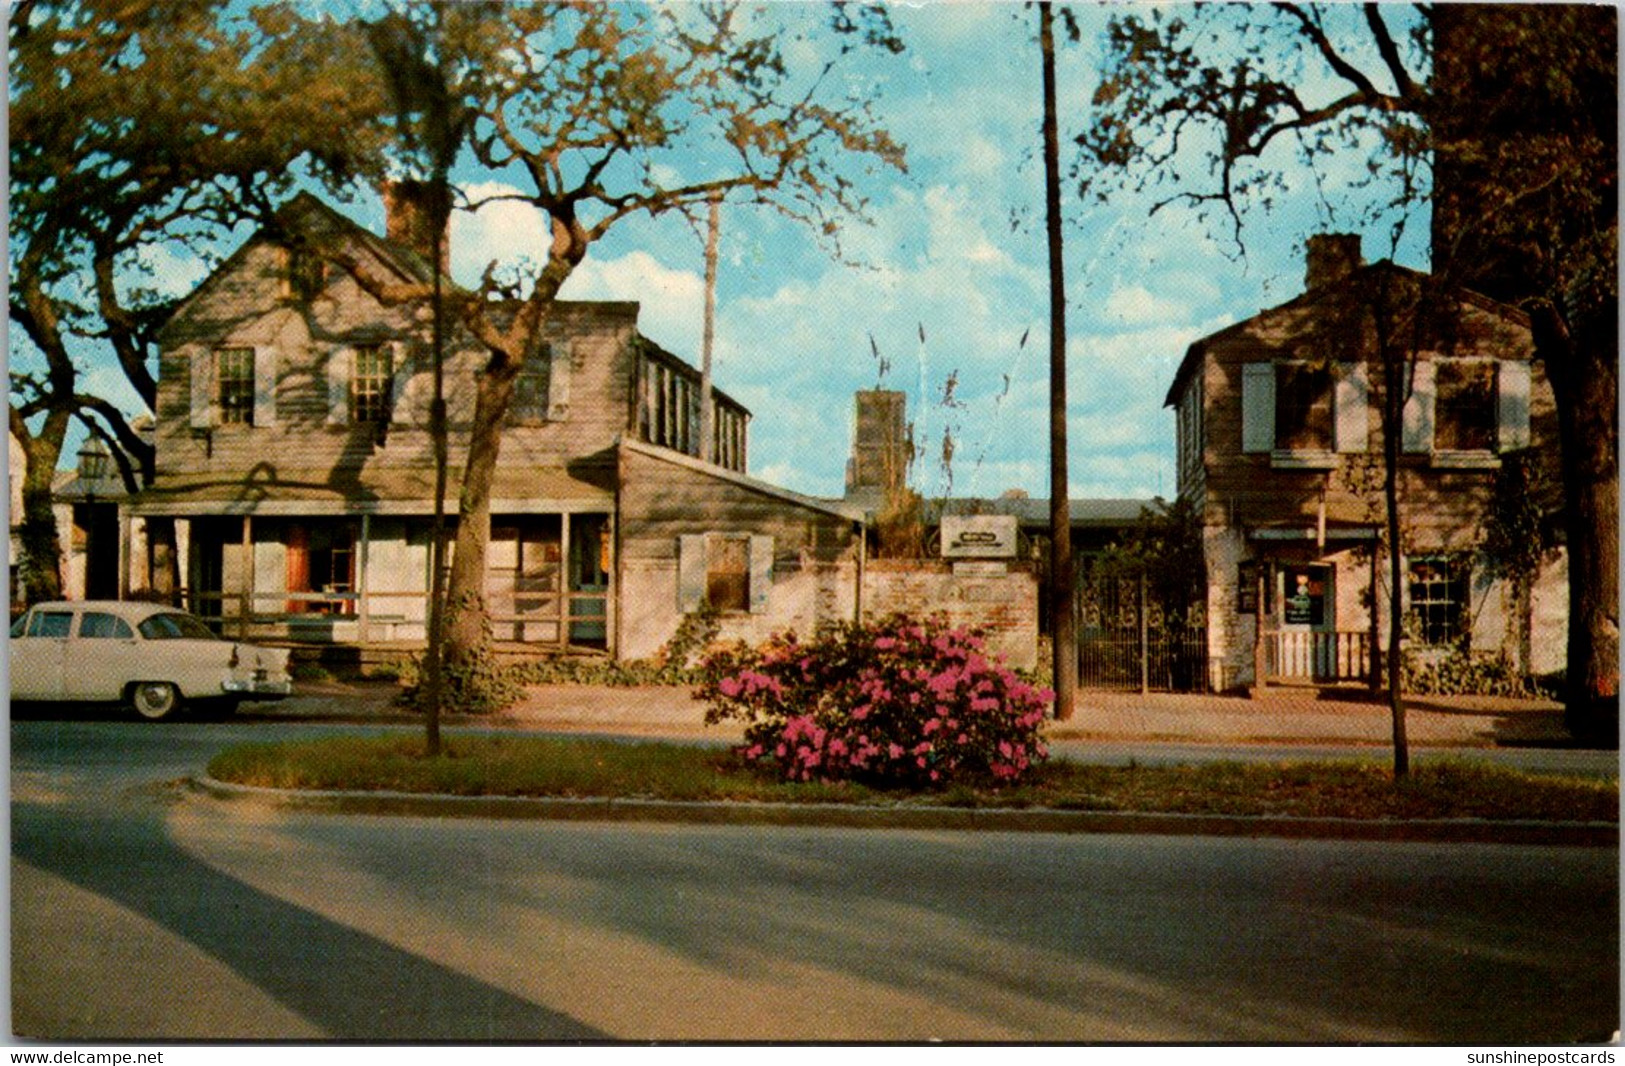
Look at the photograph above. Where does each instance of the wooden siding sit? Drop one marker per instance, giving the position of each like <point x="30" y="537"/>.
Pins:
<point x="250" y="303"/>
<point x="662" y="500"/>
<point x="1443" y="504"/>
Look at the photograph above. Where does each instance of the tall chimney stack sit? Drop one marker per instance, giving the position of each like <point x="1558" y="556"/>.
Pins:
<point x="1331" y="257"/>
<point x="407" y="215"/>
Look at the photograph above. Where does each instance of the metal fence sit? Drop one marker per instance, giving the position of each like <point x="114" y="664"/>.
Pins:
<point x="1127" y="641"/>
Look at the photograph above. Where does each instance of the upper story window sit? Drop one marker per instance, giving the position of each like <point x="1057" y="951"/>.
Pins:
<point x="1303" y="407"/>
<point x="1303" y="412"/>
<point x="530" y="389"/>
<point x="371" y="384"/>
<point x="1464" y="411"/>
<point x="234" y="385"/>
<point x="1465" y="406"/>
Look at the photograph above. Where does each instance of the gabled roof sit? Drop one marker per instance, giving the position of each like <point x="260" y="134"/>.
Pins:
<point x="1310" y="297"/>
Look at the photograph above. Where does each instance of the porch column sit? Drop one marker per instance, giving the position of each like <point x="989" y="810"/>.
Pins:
<point x="1375" y="658"/>
<point x="564" y="579"/>
<point x="612" y="539"/>
<point x="245" y="602"/>
<point x="124" y="527"/>
<point x="1258" y="628"/>
<point x="365" y="607"/>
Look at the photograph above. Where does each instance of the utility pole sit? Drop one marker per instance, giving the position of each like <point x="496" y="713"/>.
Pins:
<point x="1063" y="629"/>
<point x="707" y="417"/>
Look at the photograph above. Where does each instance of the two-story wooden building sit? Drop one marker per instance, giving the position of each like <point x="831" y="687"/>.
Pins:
<point x="293" y="446"/>
<point x="1280" y="446"/>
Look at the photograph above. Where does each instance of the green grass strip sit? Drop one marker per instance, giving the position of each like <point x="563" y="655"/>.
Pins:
<point x="484" y="765"/>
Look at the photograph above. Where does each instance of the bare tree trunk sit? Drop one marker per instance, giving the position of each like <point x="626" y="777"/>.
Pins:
<point x="1062" y="607"/>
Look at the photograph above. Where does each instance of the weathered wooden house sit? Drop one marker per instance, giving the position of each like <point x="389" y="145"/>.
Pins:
<point x="1280" y="447"/>
<point x="293" y="448"/>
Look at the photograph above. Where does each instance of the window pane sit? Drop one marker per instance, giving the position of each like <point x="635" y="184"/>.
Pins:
<point x="1303" y="407"/>
<point x="727" y="579"/>
<point x="1439" y="599"/>
<point x="96" y="624"/>
<point x="234" y="373"/>
<point x="175" y="626"/>
<point x="1466" y="406"/>
<point x="50" y="624"/>
<point x="370" y="385"/>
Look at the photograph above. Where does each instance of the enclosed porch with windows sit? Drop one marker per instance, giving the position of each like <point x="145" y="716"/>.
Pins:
<point x="300" y="572"/>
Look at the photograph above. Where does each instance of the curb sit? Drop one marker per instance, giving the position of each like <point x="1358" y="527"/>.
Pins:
<point x="1030" y="820"/>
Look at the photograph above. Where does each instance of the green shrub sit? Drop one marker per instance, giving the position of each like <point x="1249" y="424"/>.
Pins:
<point x="890" y="703"/>
<point x="1461" y="672"/>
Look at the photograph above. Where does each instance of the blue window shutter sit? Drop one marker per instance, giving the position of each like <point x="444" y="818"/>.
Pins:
<point x="1417" y="419"/>
<point x="561" y="356"/>
<point x="338" y="385"/>
<point x="1258" y="407"/>
<point x="761" y="572"/>
<point x="202" y="368"/>
<point x="691" y="572"/>
<point x="1512" y="404"/>
<point x="265" y="375"/>
<point x="1352" y="399"/>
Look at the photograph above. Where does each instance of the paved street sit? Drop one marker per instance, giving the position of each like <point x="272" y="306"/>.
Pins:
<point x="140" y="911"/>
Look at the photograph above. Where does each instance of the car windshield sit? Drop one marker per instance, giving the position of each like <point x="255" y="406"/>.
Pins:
<point x="174" y="626"/>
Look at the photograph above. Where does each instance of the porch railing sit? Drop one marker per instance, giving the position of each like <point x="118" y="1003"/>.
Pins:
<point x="1308" y="656"/>
<point x="385" y="617"/>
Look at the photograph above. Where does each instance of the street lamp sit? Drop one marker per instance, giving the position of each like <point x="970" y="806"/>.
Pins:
<point x="93" y="463"/>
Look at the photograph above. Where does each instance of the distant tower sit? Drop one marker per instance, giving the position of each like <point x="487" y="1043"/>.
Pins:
<point x="882" y="446"/>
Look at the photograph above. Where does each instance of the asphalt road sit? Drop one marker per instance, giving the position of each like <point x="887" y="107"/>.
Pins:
<point x="141" y="911"/>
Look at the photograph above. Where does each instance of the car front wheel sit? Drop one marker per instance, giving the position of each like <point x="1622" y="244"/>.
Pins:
<point x="155" y="700"/>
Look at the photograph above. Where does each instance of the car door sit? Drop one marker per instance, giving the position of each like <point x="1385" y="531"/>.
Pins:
<point x="39" y="654"/>
<point x="105" y="655"/>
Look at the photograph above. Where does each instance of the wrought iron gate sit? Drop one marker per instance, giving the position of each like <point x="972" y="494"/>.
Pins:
<point x="1128" y="641"/>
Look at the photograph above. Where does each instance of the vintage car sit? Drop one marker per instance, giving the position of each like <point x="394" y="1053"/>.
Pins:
<point x="154" y="658"/>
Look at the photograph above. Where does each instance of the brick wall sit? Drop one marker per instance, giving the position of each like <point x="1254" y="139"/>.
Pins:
<point x="1004" y="606"/>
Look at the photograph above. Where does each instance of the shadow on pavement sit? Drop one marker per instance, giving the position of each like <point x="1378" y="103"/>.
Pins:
<point x="308" y="963"/>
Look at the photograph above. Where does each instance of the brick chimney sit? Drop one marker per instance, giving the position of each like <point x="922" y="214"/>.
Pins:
<point x="406" y="220"/>
<point x="882" y="444"/>
<point x="1331" y="257"/>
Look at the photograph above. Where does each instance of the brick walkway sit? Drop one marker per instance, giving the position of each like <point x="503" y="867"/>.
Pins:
<point x="1277" y="716"/>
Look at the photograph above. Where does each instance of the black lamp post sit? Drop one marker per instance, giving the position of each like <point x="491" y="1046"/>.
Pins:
<point x="93" y="464"/>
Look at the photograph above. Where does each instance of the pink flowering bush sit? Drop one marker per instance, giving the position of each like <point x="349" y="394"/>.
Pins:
<point x="892" y="703"/>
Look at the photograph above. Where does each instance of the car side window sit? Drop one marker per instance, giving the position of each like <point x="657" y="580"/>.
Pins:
<point x="20" y="626"/>
<point x="50" y="623"/>
<point x="97" y="624"/>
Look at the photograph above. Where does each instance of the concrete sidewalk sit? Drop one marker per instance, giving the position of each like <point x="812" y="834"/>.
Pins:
<point x="1300" y="717"/>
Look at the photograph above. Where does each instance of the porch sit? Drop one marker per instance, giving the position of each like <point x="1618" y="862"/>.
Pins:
<point x="363" y="581"/>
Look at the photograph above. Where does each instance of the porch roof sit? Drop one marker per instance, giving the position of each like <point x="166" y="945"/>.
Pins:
<point x="406" y="490"/>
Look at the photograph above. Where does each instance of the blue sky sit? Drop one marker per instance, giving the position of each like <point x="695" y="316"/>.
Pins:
<point x="956" y="248"/>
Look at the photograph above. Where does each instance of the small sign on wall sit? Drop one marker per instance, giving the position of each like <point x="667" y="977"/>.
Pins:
<point x="991" y="536"/>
